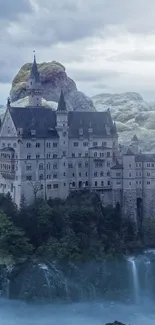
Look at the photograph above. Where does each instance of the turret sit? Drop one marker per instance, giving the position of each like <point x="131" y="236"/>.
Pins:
<point x="135" y="144"/>
<point x="34" y="89"/>
<point x="61" y="113"/>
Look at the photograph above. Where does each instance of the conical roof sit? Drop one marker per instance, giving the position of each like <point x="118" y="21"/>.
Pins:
<point x="62" y="104"/>
<point x="129" y="152"/>
<point x="135" y="138"/>
<point x="34" y="71"/>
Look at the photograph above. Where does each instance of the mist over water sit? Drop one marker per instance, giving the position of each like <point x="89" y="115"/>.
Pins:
<point x="134" y="303"/>
<point x="91" y="313"/>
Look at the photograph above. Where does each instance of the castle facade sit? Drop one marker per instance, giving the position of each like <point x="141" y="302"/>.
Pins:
<point x="49" y="154"/>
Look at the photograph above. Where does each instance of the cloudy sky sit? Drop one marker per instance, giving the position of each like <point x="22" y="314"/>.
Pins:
<point x="105" y="45"/>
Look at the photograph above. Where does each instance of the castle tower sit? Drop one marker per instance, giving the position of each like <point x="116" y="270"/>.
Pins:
<point x="62" y="130"/>
<point x="135" y="144"/>
<point x="34" y="89"/>
<point x="129" y="185"/>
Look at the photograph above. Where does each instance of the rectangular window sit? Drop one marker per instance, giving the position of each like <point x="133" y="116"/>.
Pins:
<point x="28" y="167"/>
<point x="55" y="166"/>
<point x="85" y="144"/>
<point x="28" y="145"/>
<point x="148" y="165"/>
<point x="70" y="165"/>
<point x="130" y="175"/>
<point x="28" y="157"/>
<point x="55" y="186"/>
<point x="79" y="174"/>
<point x="96" y="183"/>
<point x="28" y="178"/>
<point x="95" y="154"/>
<point x="37" y="145"/>
<point x="48" y="156"/>
<point x="55" y="156"/>
<point x="49" y="176"/>
<point x="37" y="157"/>
<point x="80" y="165"/>
<point x="108" y="154"/>
<point x="129" y="183"/>
<point x="79" y="154"/>
<point x="73" y="155"/>
<point x="108" y="164"/>
<point x="118" y="174"/>
<point x="118" y="182"/>
<point x="95" y="174"/>
<point x="86" y="164"/>
<point x="86" y="154"/>
<point x="129" y="165"/>
<point x="48" y="166"/>
<point x="101" y="174"/>
<point x="55" y="144"/>
<point x="86" y="174"/>
<point x="76" y="144"/>
<point x="95" y="144"/>
<point x="48" y="145"/>
<point x="104" y="144"/>
<point x="49" y="186"/>
<point x="148" y="174"/>
<point x="148" y="182"/>
<point x="55" y="175"/>
<point x="152" y="165"/>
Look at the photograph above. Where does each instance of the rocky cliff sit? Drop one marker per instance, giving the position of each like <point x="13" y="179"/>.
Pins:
<point x="132" y="115"/>
<point x="54" y="79"/>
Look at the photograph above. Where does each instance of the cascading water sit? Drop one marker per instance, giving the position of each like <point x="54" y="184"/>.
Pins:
<point x="135" y="279"/>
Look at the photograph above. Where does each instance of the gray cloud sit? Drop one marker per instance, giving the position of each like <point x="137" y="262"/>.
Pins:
<point x="69" y="20"/>
<point x="29" y="24"/>
<point x="93" y="75"/>
<point x="135" y="55"/>
<point x="11" y="9"/>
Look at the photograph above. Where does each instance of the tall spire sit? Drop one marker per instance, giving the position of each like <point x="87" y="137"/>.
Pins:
<point x="62" y="104"/>
<point x="34" y="70"/>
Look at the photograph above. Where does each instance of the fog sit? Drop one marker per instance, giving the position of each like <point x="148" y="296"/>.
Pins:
<point x="91" y="313"/>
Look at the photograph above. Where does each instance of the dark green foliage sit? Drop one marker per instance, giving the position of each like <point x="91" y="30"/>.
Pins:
<point x="12" y="240"/>
<point x="79" y="228"/>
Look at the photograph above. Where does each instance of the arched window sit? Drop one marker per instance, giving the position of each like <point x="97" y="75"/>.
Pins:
<point x="40" y="166"/>
<point x="41" y="177"/>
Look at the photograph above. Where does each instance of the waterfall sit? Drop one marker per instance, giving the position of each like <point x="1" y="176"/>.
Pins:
<point x="135" y="280"/>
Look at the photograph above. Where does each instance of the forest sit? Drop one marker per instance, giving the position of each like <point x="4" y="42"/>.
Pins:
<point x="78" y="229"/>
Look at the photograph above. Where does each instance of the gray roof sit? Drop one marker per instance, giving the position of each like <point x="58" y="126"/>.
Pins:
<point x="43" y="121"/>
<point x="40" y="119"/>
<point x="145" y="157"/>
<point x="34" y="74"/>
<point x="135" y="138"/>
<point x="99" y="122"/>
<point x="129" y="152"/>
<point x="117" y="165"/>
<point x="62" y="103"/>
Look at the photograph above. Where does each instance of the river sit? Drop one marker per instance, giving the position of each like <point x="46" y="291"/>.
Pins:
<point x="95" y="313"/>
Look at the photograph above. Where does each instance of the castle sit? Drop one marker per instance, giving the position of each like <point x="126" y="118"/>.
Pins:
<point x="50" y="153"/>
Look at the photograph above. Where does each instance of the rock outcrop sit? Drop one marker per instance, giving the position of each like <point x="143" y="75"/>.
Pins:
<point x="54" y="79"/>
<point x="115" y="323"/>
<point x="132" y="115"/>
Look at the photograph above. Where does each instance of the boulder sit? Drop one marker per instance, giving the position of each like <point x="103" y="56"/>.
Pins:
<point x="54" y="79"/>
<point x="132" y="115"/>
<point x="115" y="323"/>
